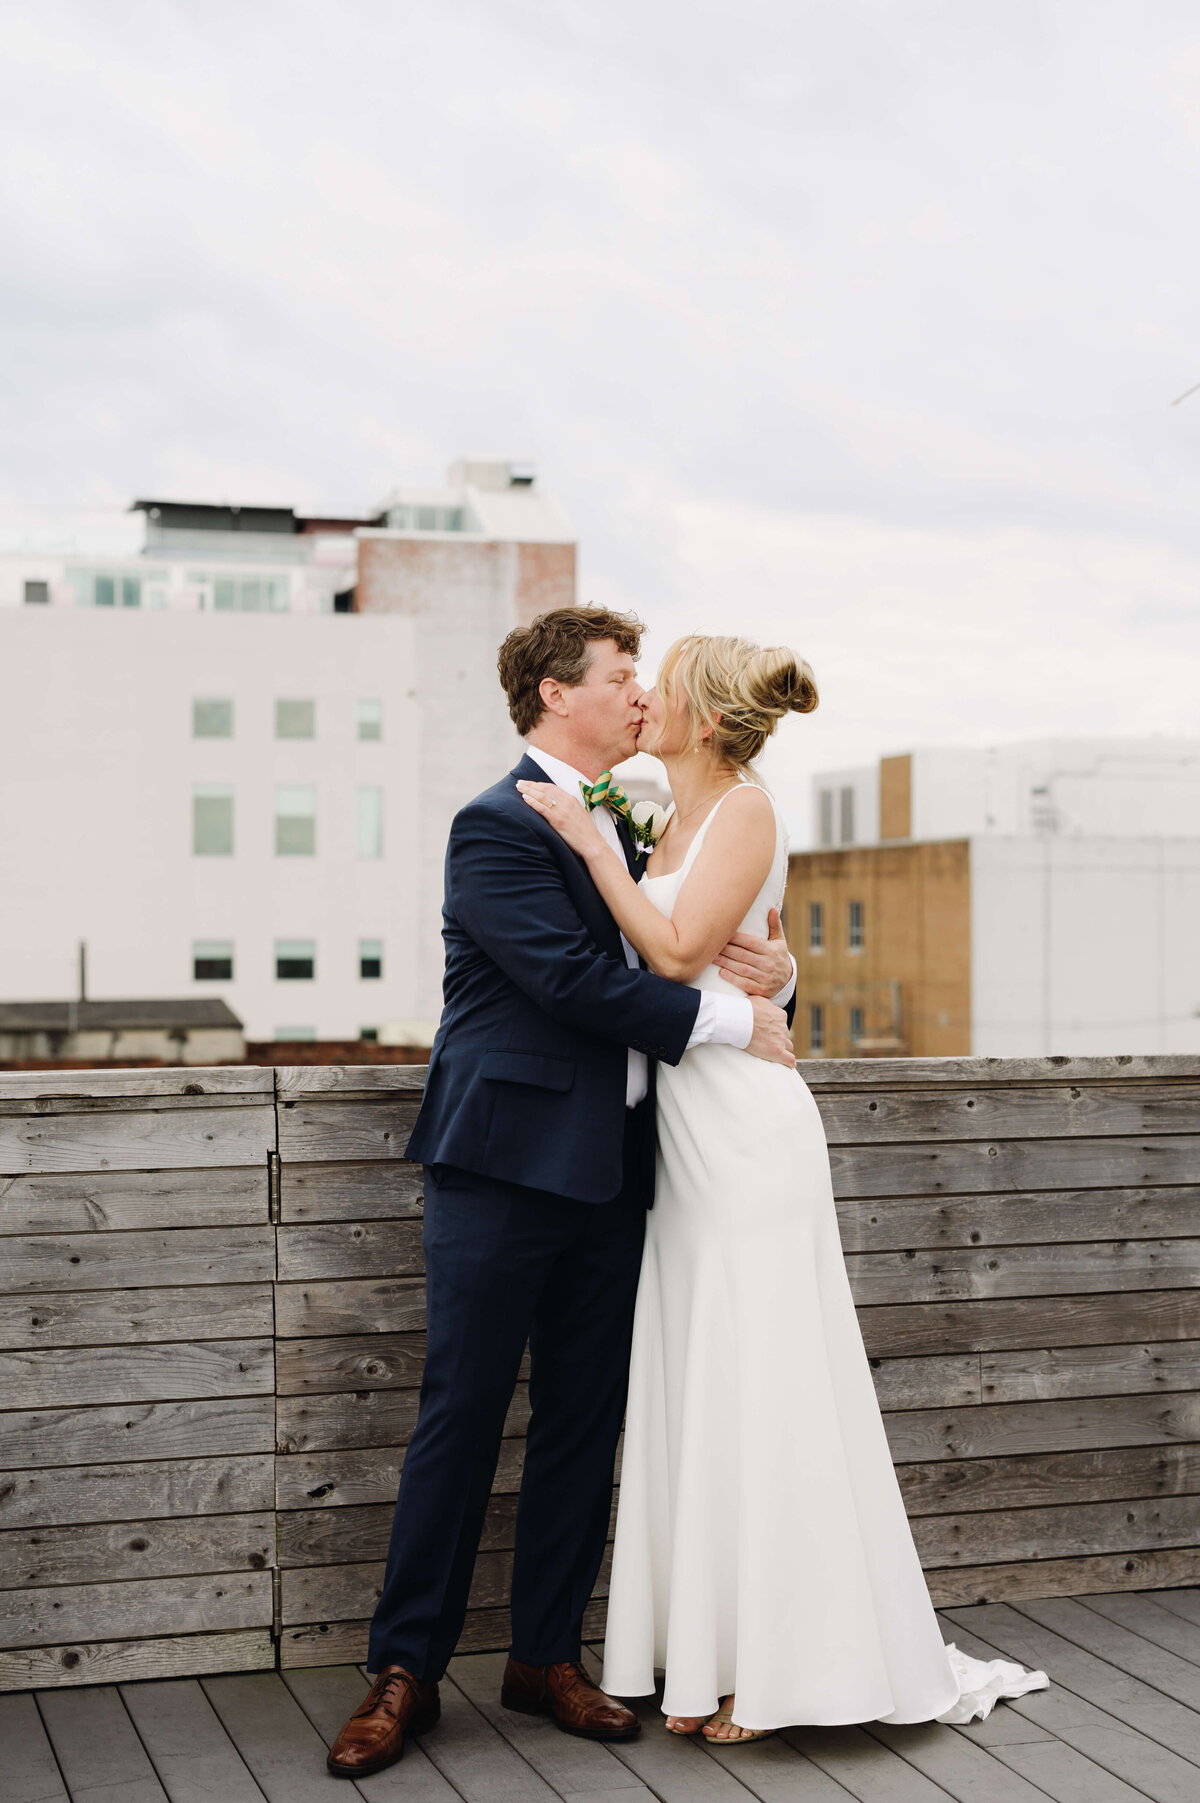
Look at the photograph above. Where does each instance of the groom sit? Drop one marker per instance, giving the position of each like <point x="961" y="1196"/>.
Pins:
<point x="537" y="1137"/>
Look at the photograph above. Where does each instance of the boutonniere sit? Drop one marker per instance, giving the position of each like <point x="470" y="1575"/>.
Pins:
<point x="647" y="823"/>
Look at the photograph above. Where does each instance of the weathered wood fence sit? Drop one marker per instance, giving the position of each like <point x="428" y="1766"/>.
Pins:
<point x="211" y="1306"/>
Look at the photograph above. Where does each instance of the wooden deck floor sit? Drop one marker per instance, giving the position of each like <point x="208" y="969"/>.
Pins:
<point x="1121" y="1722"/>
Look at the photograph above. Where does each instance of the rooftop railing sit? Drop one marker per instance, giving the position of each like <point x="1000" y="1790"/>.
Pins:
<point x="211" y="1309"/>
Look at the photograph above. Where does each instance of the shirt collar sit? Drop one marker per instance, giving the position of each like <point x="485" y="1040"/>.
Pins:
<point x="556" y="770"/>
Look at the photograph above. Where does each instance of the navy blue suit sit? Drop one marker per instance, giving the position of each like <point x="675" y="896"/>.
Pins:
<point x="537" y="1182"/>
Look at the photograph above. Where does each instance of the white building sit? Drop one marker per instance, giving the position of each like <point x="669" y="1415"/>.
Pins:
<point x="227" y="784"/>
<point x="1035" y="898"/>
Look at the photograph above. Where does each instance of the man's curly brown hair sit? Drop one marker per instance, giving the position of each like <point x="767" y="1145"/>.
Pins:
<point x="558" y="645"/>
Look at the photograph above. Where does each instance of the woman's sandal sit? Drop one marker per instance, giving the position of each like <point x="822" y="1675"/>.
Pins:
<point x="725" y="1714"/>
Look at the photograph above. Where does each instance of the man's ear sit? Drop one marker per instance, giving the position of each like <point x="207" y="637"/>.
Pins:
<point x="553" y="697"/>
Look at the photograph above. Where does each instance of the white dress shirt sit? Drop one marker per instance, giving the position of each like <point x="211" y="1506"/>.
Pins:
<point x="721" y="1019"/>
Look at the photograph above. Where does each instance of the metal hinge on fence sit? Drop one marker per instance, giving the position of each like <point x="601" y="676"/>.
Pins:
<point x="273" y="1184"/>
<point x="276" y="1605"/>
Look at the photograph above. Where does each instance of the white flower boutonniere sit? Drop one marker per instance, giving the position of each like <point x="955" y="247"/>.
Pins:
<point x="648" y="822"/>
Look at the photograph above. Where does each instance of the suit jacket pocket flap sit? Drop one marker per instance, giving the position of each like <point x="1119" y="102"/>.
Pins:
<point x="528" y="1067"/>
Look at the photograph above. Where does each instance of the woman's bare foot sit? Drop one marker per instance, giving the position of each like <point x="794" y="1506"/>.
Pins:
<point x="685" y="1724"/>
<point x="722" y="1727"/>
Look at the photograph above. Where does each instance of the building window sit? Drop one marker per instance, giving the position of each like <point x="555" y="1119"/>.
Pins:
<point x="295" y="960"/>
<point x="295" y="821"/>
<point x="825" y="811"/>
<point x="104" y="588"/>
<point x="297" y="1035"/>
<point x="816" y="927"/>
<point x="212" y="719"/>
<point x="370" y="822"/>
<point x="856" y="1025"/>
<point x="846" y="816"/>
<point x="370" y="958"/>
<point x="370" y="719"/>
<point x="37" y="594"/>
<point x="855" y="937"/>
<point x="409" y="518"/>
<point x="369" y="1035"/>
<point x="212" y="821"/>
<point x="816" y="1028"/>
<point x="244" y="594"/>
<point x="295" y="719"/>
<point x="212" y="960"/>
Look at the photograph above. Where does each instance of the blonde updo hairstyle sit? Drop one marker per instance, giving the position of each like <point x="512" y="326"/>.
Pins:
<point x="742" y="690"/>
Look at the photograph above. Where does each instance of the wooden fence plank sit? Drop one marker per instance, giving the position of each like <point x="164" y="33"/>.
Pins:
<point x="1039" y="1217"/>
<point x="1067" y="1531"/>
<point x="354" y="1535"/>
<point x="363" y="1418"/>
<point x="998" y="1323"/>
<point x="978" y="1167"/>
<point x="350" y="1192"/>
<point x="106" y="1661"/>
<point x="43" y="1377"/>
<point x="63" y="1088"/>
<point x="75" y="1554"/>
<point x="140" y="1607"/>
<point x="957" y="1274"/>
<point x="296" y="1082"/>
<point x="109" y="1433"/>
<point x="1012" y="1111"/>
<point x="355" y="1305"/>
<point x="131" y="1317"/>
<point x="31" y="1773"/>
<point x="345" y="1643"/>
<point x="349" y="1362"/>
<point x="192" y="1754"/>
<point x="360" y="1475"/>
<point x="152" y="1490"/>
<point x="118" y="1201"/>
<point x="319" y="1593"/>
<point x="951" y="1587"/>
<point x="98" y="1749"/>
<point x="328" y="1249"/>
<point x="825" y="1075"/>
<point x="103" y="1261"/>
<point x="136" y="1140"/>
<point x="1090" y="1371"/>
<point x="320" y="1131"/>
<point x="1027" y="1480"/>
<point x="995" y="1428"/>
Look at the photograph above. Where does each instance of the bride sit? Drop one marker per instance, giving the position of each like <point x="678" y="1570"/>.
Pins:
<point x="763" y="1558"/>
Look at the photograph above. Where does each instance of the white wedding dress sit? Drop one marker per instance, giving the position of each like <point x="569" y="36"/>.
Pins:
<point x="762" y="1546"/>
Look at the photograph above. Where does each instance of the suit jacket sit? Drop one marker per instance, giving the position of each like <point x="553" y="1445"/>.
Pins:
<point x="528" y="1070"/>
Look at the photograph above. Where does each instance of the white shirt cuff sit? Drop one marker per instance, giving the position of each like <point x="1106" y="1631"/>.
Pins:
<point x="788" y="991"/>
<point x="723" y="1020"/>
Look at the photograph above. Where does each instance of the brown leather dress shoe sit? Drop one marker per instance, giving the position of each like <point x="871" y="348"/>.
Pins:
<point x="396" y="1704"/>
<point x="565" y="1692"/>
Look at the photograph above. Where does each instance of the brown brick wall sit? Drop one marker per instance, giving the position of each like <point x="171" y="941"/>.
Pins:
<point x="916" y="942"/>
<point x="545" y="579"/>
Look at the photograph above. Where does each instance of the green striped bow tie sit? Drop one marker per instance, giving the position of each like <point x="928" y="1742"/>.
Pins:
<point x="604" y="792"/>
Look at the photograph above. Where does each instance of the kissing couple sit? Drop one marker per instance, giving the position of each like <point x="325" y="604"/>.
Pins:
<point x="624" y="1170"/>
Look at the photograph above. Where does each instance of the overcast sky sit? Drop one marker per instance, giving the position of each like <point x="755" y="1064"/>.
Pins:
<point x="854" y="325"/>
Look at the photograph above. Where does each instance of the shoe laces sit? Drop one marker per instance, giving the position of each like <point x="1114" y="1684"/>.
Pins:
<point x="379" y="1691"/>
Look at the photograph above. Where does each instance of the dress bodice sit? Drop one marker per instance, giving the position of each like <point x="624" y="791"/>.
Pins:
<point x="664" y="891"/>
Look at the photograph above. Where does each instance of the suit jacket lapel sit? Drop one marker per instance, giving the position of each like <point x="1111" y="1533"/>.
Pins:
<point x="628" y="846"/>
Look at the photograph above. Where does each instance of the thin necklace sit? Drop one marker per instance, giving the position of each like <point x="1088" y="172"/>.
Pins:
<point x="728" y="786"/>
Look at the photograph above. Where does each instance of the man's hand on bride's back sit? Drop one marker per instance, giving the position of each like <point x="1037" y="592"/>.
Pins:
<point x="757" y="966"/>
<point x="770" y="1038"/>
